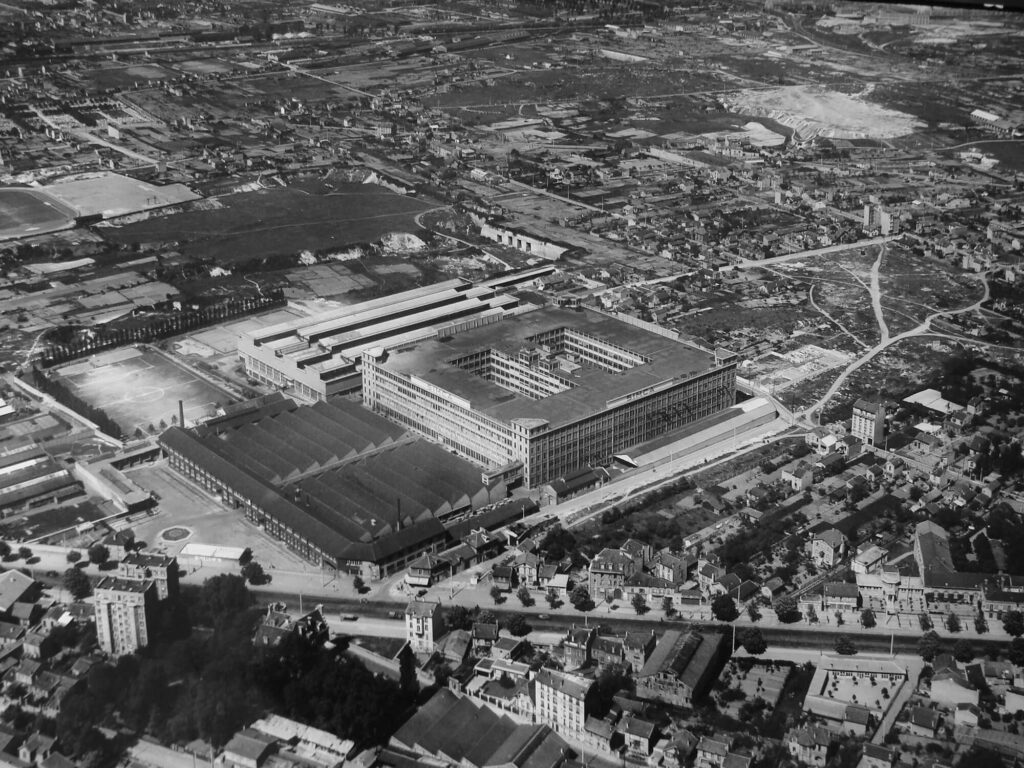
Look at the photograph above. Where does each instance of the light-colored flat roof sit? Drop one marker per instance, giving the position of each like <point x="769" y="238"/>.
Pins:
<point x="429" y="359"/>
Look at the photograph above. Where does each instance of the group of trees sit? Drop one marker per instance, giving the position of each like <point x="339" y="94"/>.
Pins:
<point x="210" y="684"/>
<point x="461" y="617"/>
<point x="158" y="327"/>
<point x="60" y="392"/>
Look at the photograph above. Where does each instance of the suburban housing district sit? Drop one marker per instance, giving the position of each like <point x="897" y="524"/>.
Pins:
<point x="511" y="385"/>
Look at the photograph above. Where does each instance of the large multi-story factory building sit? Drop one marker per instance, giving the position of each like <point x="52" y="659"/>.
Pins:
<point x="319" y="356"/>
<point x="543" y="393"/>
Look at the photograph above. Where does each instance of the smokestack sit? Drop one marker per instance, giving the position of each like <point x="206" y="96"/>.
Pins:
<point x="181" y="414"/>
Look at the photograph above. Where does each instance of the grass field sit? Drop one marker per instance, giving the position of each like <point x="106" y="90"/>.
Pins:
<point x="26" y="212"/>
<point x="140" y="387"/>
<point x="280" y="221"/>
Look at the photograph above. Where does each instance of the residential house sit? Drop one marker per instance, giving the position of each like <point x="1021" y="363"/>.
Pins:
<point x="637" y="647"/>
<point x="501" y="577"/>
<point x="840" y="596"/>
<point x="454" y="646"/>
<point x="828" y="547"/>
<point x="811" y="744"/>
<point x="600" y="735"/>
<point x="638" y="735"/>
<point x="427" y="569"/>
<point x="608" y="573"/>
<point x="577" y="646"/>
<point x="950" y="686"/>
<point x="424" y="624"/>
<point x="708" y="573"/>
<point x="850" y="446"/>
<point x="607" y="650"/>
<point x="671" y="567"/>
<point x="800" y="477"/>
<point x="527" y="566"/>
<point x="923" y="722"/>
<point x="485" y="635"/>
<point x="894" y="468"/>
<point x="508" y="649"/>
<point x="641" y="553"/>
<point x="773" y="588"/>
<point x="877" y="756"/>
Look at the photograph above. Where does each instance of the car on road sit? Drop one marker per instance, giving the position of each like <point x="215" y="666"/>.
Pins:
<point x="543" y="616"/>
<point x="394" y="614"/>
<point x="349" y="617"/>
<point x="421" y="593"/>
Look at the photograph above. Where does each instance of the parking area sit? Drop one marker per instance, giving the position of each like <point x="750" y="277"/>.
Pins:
<point x="184" y="505"/>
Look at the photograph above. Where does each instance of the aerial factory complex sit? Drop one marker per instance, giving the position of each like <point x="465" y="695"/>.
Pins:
<point x="562" y="384"/>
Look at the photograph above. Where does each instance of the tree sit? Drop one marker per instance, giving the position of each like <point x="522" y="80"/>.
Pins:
<point x="812" y="615"/>
<point x="666" y="605"/>
<point x="517" y="626"/>
<point x="408" y="682"/>
<point x="928" y="645"/>
<point x="24" y="553"/>
<point x="580" y="599"/>
<point x="253" y="573"/>
<point x="723" y="608"/>
<point x="358" y="584"/>
<point x="5" y="549"/>
<point x="246" y="557"/>
<point x="98" y="554"/>
<point x="458" y="617"/>
<point x="867" y="618"/>
<point x="553" y="599"/>
<point x="525" y="597"/>
<point x="753" y="611"/>
<point x="925" y="621"/>
<point x="844" y="646"/>
<point x="963" y="651"/>
<point x="953" y="622"/>
<point x="74" y="556"/>
<point x="786" y="609"/>
<point x="639" y="603"/>
<point x="1013" y="623"/>
<point x="497" y="595"/>
<point x="1016" y="652"/>
<point x="77" y="583"/>
<point x="753" y="641"/>
<point x="486" y="617"/>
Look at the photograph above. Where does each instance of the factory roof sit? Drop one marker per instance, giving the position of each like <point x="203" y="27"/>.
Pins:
<point x="590" y="388"/>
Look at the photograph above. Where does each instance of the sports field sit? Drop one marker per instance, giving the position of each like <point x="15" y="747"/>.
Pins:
<point x="138" y="387"/>
<point x="25" y="212"/>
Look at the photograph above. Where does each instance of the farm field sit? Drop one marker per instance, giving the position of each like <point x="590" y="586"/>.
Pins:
<point x="279" y="221"/>
<point x="139" y="387"/>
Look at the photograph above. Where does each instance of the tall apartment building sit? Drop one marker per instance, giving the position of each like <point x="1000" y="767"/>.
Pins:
<point x="542" y="393"/>
<point x="563" y="701"/>
<point x="868" y="422"/>
<point x="123" y="609"/>
<point x="161" y="569"/>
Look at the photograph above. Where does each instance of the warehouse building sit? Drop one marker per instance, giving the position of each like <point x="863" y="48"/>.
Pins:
<point x="543" y="393"/>
<point x="339" y="485"/>
<point x="319" y="356"/>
